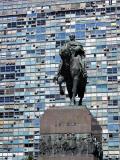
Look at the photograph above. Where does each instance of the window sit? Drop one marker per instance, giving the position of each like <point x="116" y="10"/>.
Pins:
<point x="80" y="35"/>
<point x="40" y="37"/>
<point x="40" y="30"/>
<point x="60" y="36"/>
<point x="113" y="127"/>
<point x="111" y="70"/>
<point x="112" y="78"/>
<point x="9" y="99"/>
<point x="80" y="26"/>
<point x="115" y="118"/>
<point x="113" y="102"/>
<point x="10" y="76"/>
<point x="1" y="99"/>
<point x="101" y="88"/>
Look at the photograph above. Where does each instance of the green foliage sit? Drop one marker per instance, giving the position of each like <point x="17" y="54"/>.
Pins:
<point x="29" y="158"/>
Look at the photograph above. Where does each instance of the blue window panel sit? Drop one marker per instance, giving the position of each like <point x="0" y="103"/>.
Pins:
<point x="90" y="25"/>
<point x="18" y="149"/>
<point x="19" y="74"/>
<point x="32" y="15"/>
<point x="27" y="121"/>
<point x="93" y="65"/>
<point x="113" y="144"/>
<point x="115" y="102"/>
<point x="98" y="32"/>
<point x="113" y="127"/>
<point x="17" y="67"/>
<point x="60" y="14"/>
<point x="47" y="58"/>
<point x="112" y="118"/>
<point x="60" y="36"/>
<point x="10" y="76"/>
<point x="31" y="29"/>
<point x="40" y="29"/>
<point x="80" y="26"/>
<point x="80" y="35"/>
<point x="15" y="141"/>
<point x="2" y="69"/>
<point x="30" y="51"/>
<point x="57" y="58"/>
<point x="100" y="46"/>
<point x="40" y="105"/>
<point x="112" y="78"/>
<point x="12" y="68"/>
<point x="92" y="79"/>
<point x="72" y="26"/>
<point x="9" y="99"/>
<point x="1" y="99"/>
<point x="30" y="37"/>
<point x="41" y="15"/>
<point x="50" y="69"/>
<point x="104" y="65"/>
<point x="40" y="37"/>
<point x="101" y="24"/>
<point x="114" y="70"/>
<point x="111" y="70"/>
<point x="8" y="68"/>
<point x="36" y="122"/>
<point x="50" y="73"/>
<point x="115" y="118"/>
<point x="101" y="88"/>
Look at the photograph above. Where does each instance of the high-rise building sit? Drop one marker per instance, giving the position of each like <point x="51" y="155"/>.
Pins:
<point x="31" y="34"/>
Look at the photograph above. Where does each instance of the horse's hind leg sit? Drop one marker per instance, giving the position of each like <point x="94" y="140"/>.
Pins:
<point x="61" y="89"/>
<point x="69" y="86"/>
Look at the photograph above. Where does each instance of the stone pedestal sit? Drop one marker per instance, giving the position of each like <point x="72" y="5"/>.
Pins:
<point x="64" y="157"/>
<point x="69" y="133"/>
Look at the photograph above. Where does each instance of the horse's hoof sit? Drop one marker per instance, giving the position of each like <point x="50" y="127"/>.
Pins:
<point x="80" y="104"/>
<point x="72" y="102"/>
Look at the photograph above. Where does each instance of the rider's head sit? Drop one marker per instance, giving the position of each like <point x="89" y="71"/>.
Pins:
<point x="72" y="37"/>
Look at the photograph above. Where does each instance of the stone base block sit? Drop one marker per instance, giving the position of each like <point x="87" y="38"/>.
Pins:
<point x="68" y="157"/>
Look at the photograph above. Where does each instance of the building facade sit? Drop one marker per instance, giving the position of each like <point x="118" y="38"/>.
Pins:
<point x="31" y="34"/>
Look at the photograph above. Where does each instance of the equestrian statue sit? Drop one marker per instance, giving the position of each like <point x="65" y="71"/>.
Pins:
<point x="72" y="70"/>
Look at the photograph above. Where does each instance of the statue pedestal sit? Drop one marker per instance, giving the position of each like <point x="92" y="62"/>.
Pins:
<point x="69" y="133"/>
<point x="67" y="157"/>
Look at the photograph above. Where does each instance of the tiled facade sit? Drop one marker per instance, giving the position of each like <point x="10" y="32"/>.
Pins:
<point x="31" y="34"/>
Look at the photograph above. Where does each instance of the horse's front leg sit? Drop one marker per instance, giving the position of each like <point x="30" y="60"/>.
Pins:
<point x="80" y="102"/>
<point x="60" y="81"/>
<point x="72" y="101"/>
<point x="74" y="90"/>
